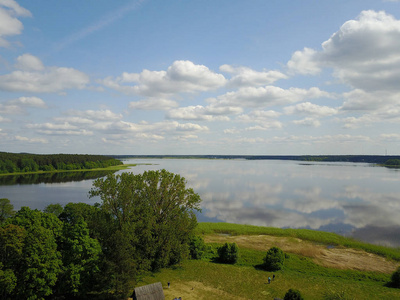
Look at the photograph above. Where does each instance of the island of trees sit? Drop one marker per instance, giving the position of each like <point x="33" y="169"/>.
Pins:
<point x="25" y="162"/>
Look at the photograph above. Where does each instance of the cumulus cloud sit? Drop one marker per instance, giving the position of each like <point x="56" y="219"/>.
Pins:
<point x="36" y="78"/>
<point x="31" y="140"/>
<point x="180" y="77"/>
<point x="9" y="24"/>
<point x="243" y="76"/>
<point x="19" y="105"/>
<point x="59" y="129"/>
<point x="99" y="115"/>
<point x="265" y="120"/>
<point x="308" y="108"/>
<point x="363" y="53"/>
<point x="260" y="97"/>
<point x="199" y="112"/>
<point x="153" y="104"/>
<point x="309" y="122"/>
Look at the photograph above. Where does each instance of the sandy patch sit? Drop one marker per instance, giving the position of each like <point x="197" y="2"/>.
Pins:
<point x="194" y="290"/>
<point x="340" y="258"/>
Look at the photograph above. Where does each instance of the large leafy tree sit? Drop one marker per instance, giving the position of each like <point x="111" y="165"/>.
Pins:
<point x="154" y="212"/>
<point x="40" y="263"/>
<point x="6" y="209"/>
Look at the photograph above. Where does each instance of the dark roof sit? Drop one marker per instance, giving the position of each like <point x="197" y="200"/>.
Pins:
<point x="149" y="292"/>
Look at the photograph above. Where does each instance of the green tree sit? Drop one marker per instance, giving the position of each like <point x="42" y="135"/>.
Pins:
<point x="11" y="244"/>
<point x="80" y="257"/>
<point x="197" y="247"/>
<point x="274" y="259"/>
<point x="55" y="209"/>
<point x="228" y="253"/>
<point x="40" y="262"/>
<point x="395" y="279"/>
<point x="6" y="209"/>
<point x="293" y="294"/>
<point x="154" y="211"/>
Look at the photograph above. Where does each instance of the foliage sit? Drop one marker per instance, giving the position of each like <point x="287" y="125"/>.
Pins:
<point x="228" y="253"/>
<point x="395" y="279"/>
<point x="197" y="247"/>
<point x="274" y="259"/>
<point x="151" y="220"/>
<point x="6" y="209"/>
<point x="25" y="162"/>
<point x="39" y="264"/>
<point x="393" y="162"/>
<point x="293" y="294"/>
<point x="55" y="209"/>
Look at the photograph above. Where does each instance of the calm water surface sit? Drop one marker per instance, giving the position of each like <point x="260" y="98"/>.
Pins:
<point x="357" y="200"/>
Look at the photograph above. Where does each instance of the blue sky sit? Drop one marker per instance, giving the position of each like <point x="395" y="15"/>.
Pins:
<point x="200" y="77"/>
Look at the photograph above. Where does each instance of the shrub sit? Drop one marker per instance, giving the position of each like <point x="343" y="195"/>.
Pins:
<point x="292" y="294"/>
<point x="396" y="279"/>
<point x="228" y="253"/>
<point x="197" y="247"/>
<point x="274" y="259"/>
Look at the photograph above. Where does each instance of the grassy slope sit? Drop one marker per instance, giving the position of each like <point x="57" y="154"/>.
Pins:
<point x="205" y="279"/>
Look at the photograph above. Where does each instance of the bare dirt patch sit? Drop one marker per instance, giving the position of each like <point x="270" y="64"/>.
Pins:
<point x="340" y="258"/>
<point x="194" y="290"/>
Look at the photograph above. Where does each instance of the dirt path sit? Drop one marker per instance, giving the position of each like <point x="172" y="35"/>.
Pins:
<point x="340" y="258"/>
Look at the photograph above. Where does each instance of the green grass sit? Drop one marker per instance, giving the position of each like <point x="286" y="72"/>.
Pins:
<point x="321" y="237"/>
<point x="245" y="279"/>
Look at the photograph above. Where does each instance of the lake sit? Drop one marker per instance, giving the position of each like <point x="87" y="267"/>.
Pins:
<point x="352" y="199"/>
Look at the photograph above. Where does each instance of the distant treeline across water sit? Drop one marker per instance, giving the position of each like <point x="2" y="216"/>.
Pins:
<point x="375" y="159"/>
<point x="26" y="162"/>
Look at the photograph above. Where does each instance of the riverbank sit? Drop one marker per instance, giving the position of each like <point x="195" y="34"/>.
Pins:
<point x="110" y="168"/>
<point x="318" y="264"/>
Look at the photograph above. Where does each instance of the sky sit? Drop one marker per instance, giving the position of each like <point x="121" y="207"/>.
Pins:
<point x="277" y="77"/>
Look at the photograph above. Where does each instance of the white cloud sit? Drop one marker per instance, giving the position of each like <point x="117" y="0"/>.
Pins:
<point x="29" y="101"/>
<point x="35" y="79"/>
<point x="304" y="62"/>
<point x="19" y="105"/>
<point x="31" y="140"/>
<point x="259" y="97"/>
<point x="180" y="77"/>
<point x="9" y="24"/>
<point x="153" y="104"/>
<point x="28" y="62"/>
<point x="199" y="112"/>
<point x="364" y="53"/>
<point x="100" y="115"/>
<point x="4" y="120"/>
<point x="310" y="122"/>
<point x="244" y="76"/>
<point x="59" y="129"/>
<point x="307" y="108"/>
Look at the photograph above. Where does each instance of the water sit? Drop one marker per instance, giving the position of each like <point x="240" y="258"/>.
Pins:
<point x="351" y="199"/>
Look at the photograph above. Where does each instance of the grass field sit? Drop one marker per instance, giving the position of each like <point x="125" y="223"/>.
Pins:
<point x="320" y="265"/>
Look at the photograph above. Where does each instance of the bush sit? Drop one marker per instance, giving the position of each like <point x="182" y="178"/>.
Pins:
<point x="228" y="253"/>
<point x="197" y="247"/>
<point x="396" y="279"/>
<point x="274" y="259"/>
<point x="293" y="295"/>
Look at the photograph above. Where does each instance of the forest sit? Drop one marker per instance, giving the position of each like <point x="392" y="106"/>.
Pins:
<point x="25" y="162"/>
<point x="144" y="223"/>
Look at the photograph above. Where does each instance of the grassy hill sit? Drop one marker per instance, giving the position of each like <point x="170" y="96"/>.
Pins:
<point x="320" y="265"/>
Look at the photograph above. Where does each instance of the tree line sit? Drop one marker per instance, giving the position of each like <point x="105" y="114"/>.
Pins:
<point x="144" y="222"/>
<point x="25" y="162"/>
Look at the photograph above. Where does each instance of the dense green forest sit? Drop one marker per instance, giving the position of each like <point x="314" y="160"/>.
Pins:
<point x="144" y="223"/>
<point x="374" y="159"/>
<point x="25" y="162"/>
